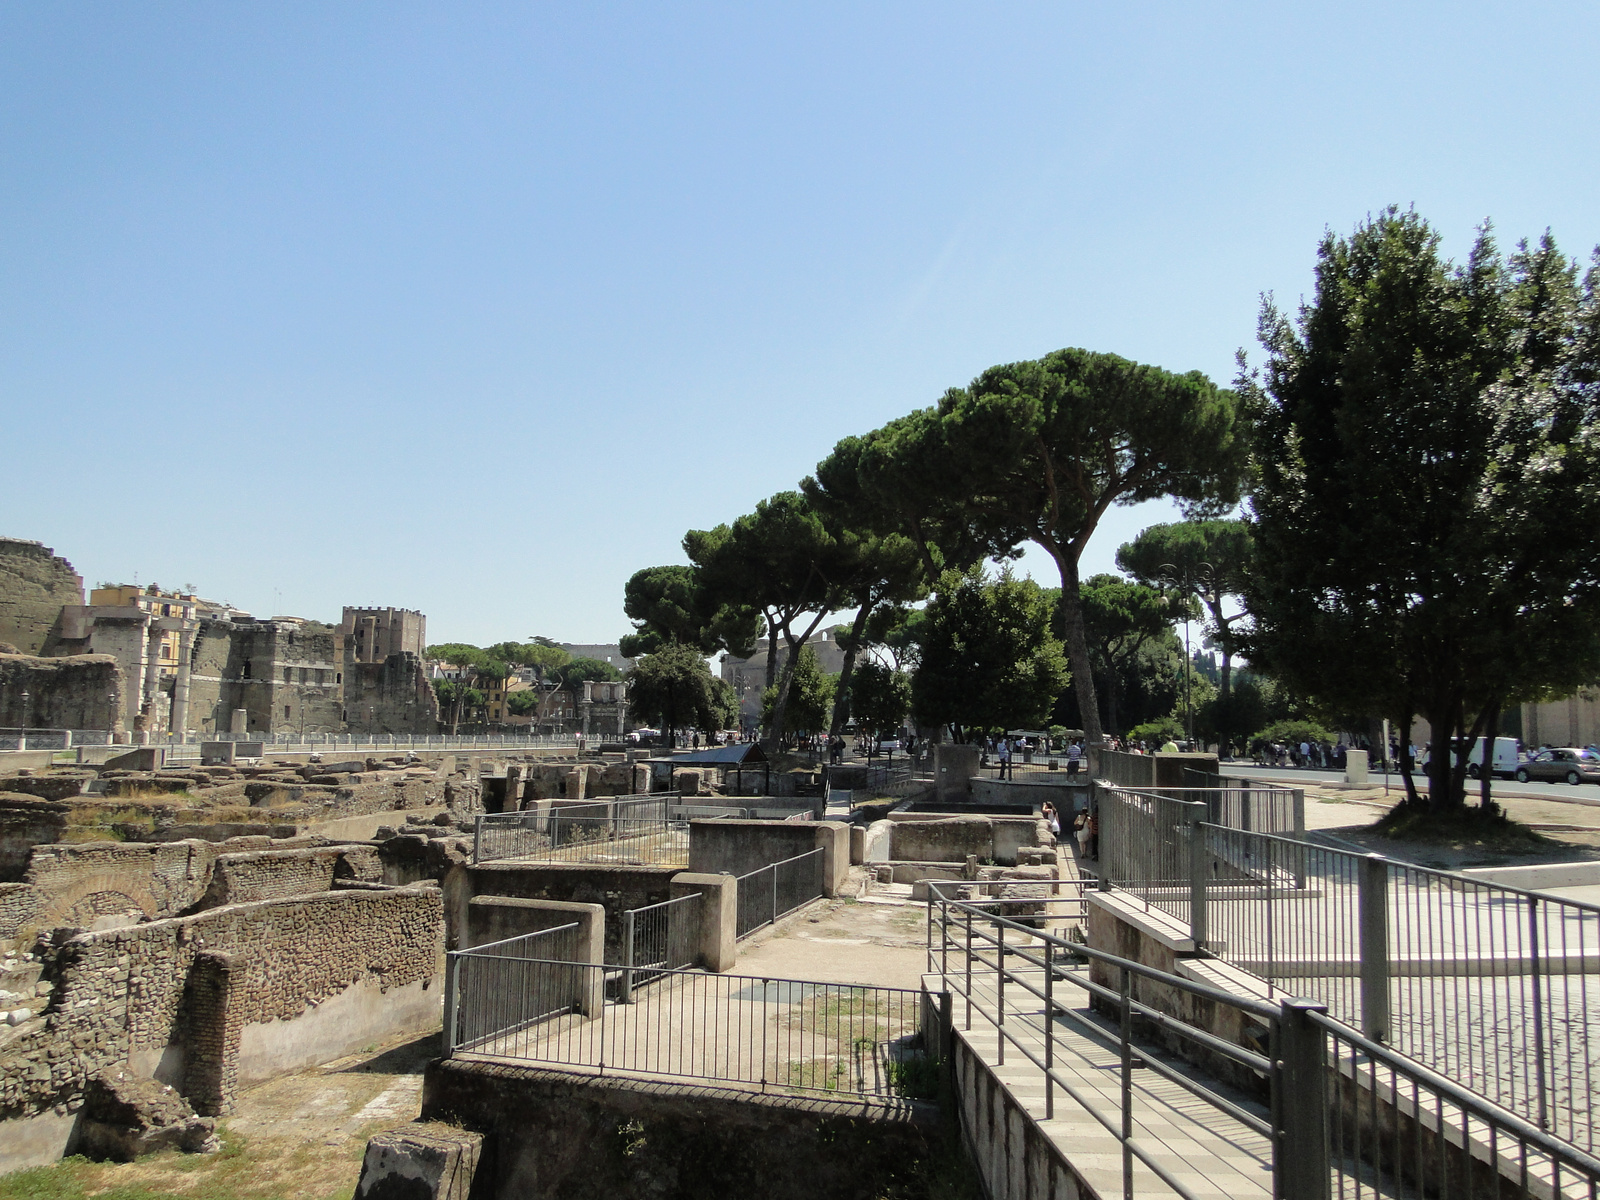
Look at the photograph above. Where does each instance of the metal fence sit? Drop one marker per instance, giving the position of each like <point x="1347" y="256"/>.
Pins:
<point x="1344" y="1114"/>
<point x="658" y="938"/>
<point x="782" y="1034"/>
<point x="623" y="833"/>
<point x="503" y="988"/>
<point x="769" y="892"/>
<point x="1496" y="987"/>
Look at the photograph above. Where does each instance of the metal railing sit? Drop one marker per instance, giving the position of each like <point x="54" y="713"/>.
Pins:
<point x="1496" y="987"/>
<point x="782" y="1034"/>
<point x="769" y="892"/>
<point x="502" y="988"/>
<point x="1343" y="1112"/>
<point x="1493" y="986"/>
<point x="623" y="834"/>
<point x="657" y="938"/>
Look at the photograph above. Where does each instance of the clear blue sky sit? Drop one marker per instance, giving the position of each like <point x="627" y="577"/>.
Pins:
<point x="476" y="308"/>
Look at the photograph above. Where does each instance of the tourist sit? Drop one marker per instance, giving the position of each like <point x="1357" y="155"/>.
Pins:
<point x="1003" y="751"/>
<point x="1053" y="820"/>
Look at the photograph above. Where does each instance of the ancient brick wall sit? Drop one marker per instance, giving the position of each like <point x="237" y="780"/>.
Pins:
<point x="393" y="696"/>
<point x="286" y="675"/>
<point x="25" y="822"/>
<point x="122" y="997"/>
<point x="84" y="883"/>
<point x="80" y="692"/>
<point x="273" y="874"/>
<point x="34" y="584"/>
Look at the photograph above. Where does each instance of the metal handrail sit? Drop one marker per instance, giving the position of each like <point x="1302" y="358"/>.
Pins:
<point x="1479" y="1106"/>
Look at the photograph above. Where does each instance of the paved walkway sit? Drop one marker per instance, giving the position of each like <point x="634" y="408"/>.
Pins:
<point x="1213" y="1155"/>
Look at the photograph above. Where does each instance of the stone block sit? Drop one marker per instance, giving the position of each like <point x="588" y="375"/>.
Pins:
<point x="719" y="916"/>
<point x="125" y="1117"/>
<point x="858" y="845"/>
<point x="420" y="1161"/>
<point x="495" y="918"/>
<point x="148" y="758"/>
<point x="834" y="838"/>
<point x="950" y="839"/>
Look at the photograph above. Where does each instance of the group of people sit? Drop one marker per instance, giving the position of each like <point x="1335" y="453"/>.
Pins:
<point x="1085" y="828"/>
<point x="1004" y="750"/>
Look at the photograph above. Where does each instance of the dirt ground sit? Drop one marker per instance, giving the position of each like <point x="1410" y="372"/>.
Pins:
<point x="299" y="1137"/>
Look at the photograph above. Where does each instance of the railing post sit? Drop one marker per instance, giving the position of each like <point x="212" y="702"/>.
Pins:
<point x="774" y="893"/>
<point x="626" y="995"/>
<point x="1300" y="1165"/>
<point x="1199" y="930"/>
<point x="1049" y="1030"/>
<point x="1125" y="1038"/>
<point x="1536" y="969"/>
<point x="1000" y="992"/>
<point x="1373" y="903"/>
<point x="452" y="995"/>
<point x="477" y="839"/>
<point x="968" y="1024"/>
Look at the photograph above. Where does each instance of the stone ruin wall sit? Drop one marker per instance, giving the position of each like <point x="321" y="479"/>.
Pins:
<point x="85" y="884"/>
<point x="397" y="693"/>
<point x="279" y="874"/>
<point x="80" y="692"/>
<point x="126" y="997"/>
<point x="34" y="585"/>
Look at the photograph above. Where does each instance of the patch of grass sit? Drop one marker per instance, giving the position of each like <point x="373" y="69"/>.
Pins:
<point x="1468" y="826"/>
<point x="915" y="1078"/>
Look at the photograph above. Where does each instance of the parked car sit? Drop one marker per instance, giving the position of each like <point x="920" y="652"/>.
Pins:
<point x="1505" y="758"/>
<point x="1569" y="763"/>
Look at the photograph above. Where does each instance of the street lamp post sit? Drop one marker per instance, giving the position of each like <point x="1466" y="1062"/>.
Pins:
<point x="1187" y="581"/>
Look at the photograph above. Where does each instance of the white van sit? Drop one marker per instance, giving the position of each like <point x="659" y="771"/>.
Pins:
<point x="1505" y="758"/>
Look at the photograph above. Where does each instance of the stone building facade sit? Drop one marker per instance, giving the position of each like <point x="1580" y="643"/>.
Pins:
<point x="748" y="676"/>
<point x="34" y="586"/>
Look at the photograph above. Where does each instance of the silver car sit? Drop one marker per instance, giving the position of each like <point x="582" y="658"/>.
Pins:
<point x="1569" y="763"/>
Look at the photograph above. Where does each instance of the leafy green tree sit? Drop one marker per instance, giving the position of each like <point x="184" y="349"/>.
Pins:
<point x="460" y="654"/>
<point x="1215" y="555"/>
<point x="810" y="695"/>
<point x="1039" y="451"/>
<point x="669" y="604"/>
<point x="1120" y="618"/>
<point x="1158" y="732"/>
<point x="786" y="562"/>
<point x="524" y="702"/>
<point x="1427" y="511"/>
<point x="578" y="671"/>
<point x="882" y="698"/>
<point x="674" y="685"/>
<point x="884" y="570"/>
<point x="989" y="659"/>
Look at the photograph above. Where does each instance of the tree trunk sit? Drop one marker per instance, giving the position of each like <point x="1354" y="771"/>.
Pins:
<point x="1486" y="771"/>
<point x="781" y="702"/>
<point x="1407" y="762"/>
<point x="841" y="695"/>
<point x="1078" y="649"/>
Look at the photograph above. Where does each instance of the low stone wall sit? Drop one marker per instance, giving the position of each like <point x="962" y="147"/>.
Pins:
<point x="954" y="839"/>
<point x="549" y="1133"/>
<point x="739" y="847"/>
<point x="616" y="889"/>
<point x="90" y="885"/>
<point x="275" y="874"/>
<point x="220" y="999"/>
<point x="25" y="822"/>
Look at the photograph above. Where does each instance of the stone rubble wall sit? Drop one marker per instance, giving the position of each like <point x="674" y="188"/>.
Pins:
<point x="34" y="585"/>
<point x="275" y="874"/>
<point x="127" y="997"/>
<point x="82" y="691"/>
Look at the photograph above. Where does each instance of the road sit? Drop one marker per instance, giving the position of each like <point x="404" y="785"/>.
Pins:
<point x="1561" y="793"/>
